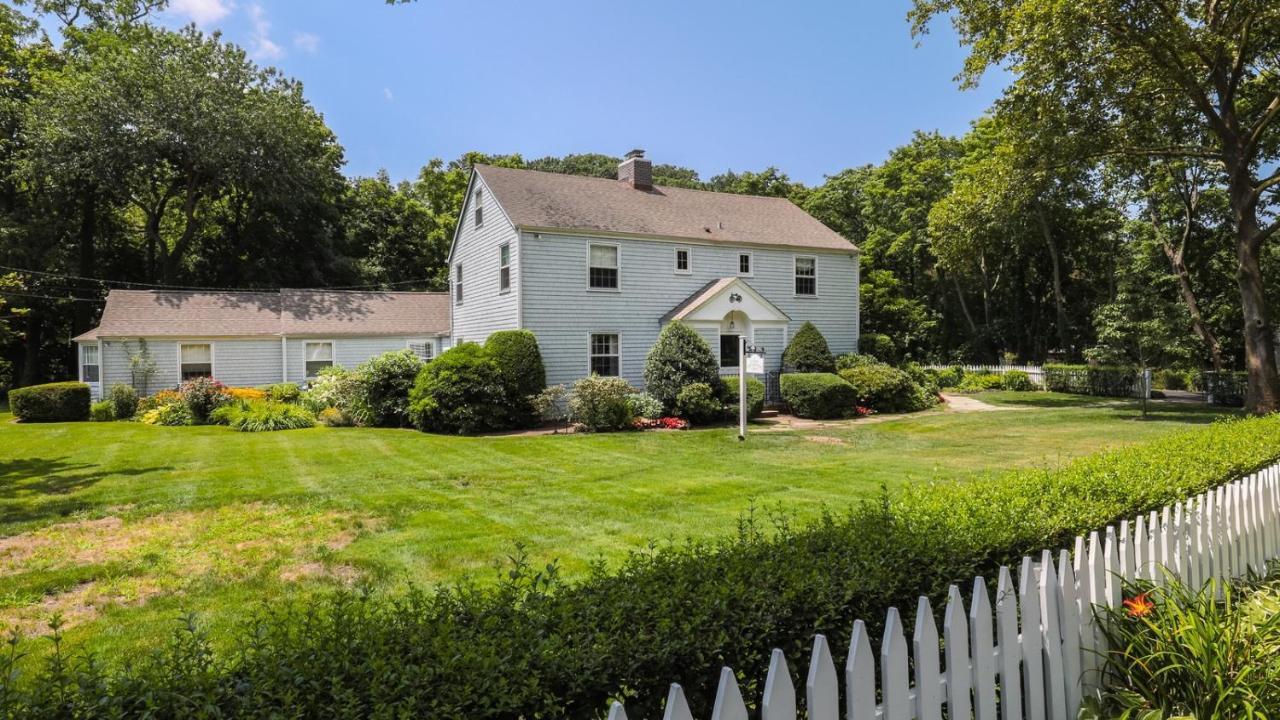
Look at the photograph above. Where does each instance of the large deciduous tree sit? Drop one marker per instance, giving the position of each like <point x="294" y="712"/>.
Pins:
<point x="1113" y="71"/>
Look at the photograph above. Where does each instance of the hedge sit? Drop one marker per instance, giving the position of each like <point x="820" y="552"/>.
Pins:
<point x="1105" y="381"/>
<point x="817" y="395"/>
<point x="755" y="396"/>
<point x="538" y="646"/>
<point x="54" y="402"/>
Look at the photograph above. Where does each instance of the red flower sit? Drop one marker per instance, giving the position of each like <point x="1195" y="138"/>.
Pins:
<point x="1139" y="606"/>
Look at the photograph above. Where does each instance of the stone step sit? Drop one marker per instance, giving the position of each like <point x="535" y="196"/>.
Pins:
<point x="768" y="414"/>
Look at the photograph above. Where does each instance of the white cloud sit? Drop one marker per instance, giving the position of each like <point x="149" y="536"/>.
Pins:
<point x="264" y="48"/>
<point x="201" y="12"/>
<point x="386" y="93"/>
<point x="306" y="42"/>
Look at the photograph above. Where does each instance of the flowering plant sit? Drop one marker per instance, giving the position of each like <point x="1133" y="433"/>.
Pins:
<point x="246" y="393"/>
<point x="862" y="411"/>
<point x="664" y="423"/>
<point x="203" y="395"/>
<point x="1139" y="605"/>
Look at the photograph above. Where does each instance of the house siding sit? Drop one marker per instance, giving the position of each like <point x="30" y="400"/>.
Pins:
<point x="484" y="309"/>
<point x="348" y="352"/>
<point x="562" y="312"/>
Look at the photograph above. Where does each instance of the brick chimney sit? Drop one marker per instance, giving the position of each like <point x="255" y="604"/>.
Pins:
<point x="636" y="171"/>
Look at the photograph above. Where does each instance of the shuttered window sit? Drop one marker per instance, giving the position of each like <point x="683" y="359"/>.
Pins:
<point x="603" y="269"/>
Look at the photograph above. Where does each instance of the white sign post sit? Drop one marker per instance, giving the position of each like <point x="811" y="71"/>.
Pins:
<point x="750" y="360"/>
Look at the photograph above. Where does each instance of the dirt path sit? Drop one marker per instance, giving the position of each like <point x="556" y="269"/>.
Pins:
<point x="965" y="403"/>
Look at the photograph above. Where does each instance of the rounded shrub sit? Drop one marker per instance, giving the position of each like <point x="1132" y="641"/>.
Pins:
<point x="878" y="345"/>
<point x="1017" y="380"/>
<point x="202" y="396"/>
<point x="644" y="405"/>
<point x="699" y="404"/>
<point x="678" y="358"/>
<point x="808" y="352"/>
<point x="461" y="391"/>
<point x="102" y="411"/>
<point x="977" y="382"/>
<point x="950" y="377"/>
<point x="755" y="396"/>
<point x="286" y="392"/>
<point x="849" y="360"/>
<point x="124" y="401"/>
<point x="53" y="402"/>
<point x="383" y="385"/>
<point x="337" y="387"/>
<point x="601" y="403"/>
<point x="817" y="395"/>
<point x="887" y="389"/>
<point x="523" y="373"/>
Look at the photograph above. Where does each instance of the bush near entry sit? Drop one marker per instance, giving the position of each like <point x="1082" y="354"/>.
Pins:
<point x="538" y="646"/>
<point x="680" y="357"/>
<point x="887" y="389"/>
<point x="819" y="396"/>
<point x="52" y="402"/>
<point x="808" y="352"/>
<point x="523" y="373"/>
<point x="755" y="397"/>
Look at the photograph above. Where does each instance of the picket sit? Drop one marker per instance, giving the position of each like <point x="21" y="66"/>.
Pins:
<point x="1035" y="653"/>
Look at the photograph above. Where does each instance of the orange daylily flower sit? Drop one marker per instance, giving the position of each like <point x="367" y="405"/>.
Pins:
<point x="1139" y="606"/>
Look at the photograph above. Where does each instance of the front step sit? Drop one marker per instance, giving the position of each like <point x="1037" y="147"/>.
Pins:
<point x="768" y="414"/>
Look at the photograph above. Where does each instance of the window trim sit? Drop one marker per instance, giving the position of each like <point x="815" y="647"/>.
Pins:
<point x="795" y="275"/>
<point x="614" y="333"/>
<point x="479" y="207"/>
<point x="333" y="355"/>
<point x="429" y="342"/>
<point x="97" y="348"/>
<point x="504" y="289"/>
<point x="618" y="248"/>
<point x="213" y="357"/>
<point x="675" y="260"/>
<point x="751" y="264"/>
<point x="457" y="283"/>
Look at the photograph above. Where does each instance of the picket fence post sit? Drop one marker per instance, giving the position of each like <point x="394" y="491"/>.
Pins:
<point x="1033" y="654"/>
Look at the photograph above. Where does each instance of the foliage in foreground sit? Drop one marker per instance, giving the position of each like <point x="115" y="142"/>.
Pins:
<point x="1180" y="652"/>
<point x="538" y="646"/>
<point x="53" y="402"/>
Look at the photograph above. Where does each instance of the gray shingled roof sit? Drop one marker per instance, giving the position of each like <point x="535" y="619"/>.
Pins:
<point x="175" y="313"/>
<point x="550" y="201"/>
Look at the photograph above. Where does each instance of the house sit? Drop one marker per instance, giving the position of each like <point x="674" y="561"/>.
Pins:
<point x="253" y="338"/>
<point x="594" y="267"/>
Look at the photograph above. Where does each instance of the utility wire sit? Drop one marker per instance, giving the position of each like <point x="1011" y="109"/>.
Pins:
<point x="162" y="286"/>
<point x="49" y="297"/>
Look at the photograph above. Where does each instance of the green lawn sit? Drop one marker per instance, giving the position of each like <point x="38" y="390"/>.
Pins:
<point x="122" y="527"/>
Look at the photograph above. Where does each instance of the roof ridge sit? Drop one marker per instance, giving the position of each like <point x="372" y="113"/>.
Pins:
<point x="655" y="185"/>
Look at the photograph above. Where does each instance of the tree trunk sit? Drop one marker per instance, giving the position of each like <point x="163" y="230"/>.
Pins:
<point x="1198" y="325"/>
<point x="964" y="307"/>
<point x="1259" y="341"/>
<point x="33" y="337"/>
<point x="1059" y="299"/>
<point x="82" y="314"/>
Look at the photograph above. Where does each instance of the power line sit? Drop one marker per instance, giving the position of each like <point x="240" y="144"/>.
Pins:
<point x="49" y="297"/>
<point x="163" y="286"/>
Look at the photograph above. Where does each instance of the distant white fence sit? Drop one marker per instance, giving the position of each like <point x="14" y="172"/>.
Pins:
<point x="1038" y="655"/>
<point x="1034" y="371"/>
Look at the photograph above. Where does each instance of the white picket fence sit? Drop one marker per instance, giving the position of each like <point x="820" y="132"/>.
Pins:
<point x="1034" y="371"/>
<point x="1039" y="653"/>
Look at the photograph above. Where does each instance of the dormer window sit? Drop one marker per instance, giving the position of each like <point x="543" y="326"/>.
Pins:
<point x="479" y="203"/>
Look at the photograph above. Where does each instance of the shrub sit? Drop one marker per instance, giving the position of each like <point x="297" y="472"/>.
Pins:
<point x="160" y="399"/>
<point x="808" y="352"/>
<point x="247" y="394"/>
<point x="124" y="401"/>
<point x="202" y="396"/>
<point x="755" y="396"/>
<point x="54" y="402"/>
<point x="6" y="377"/>
<point x="699" y="404"/>
<point x="382" y="388"/>
<point x="268" y="416"/>
<point x="927" y="380"/>
<point x="1209" y="652"/>
<point x="175" y="414"/>
<point x="978" y="382"/>
<point x="224" y="414"/>
<point x="1017" y="381"/>
<point x="600" y="403"/>
<point x="286" y="392"/>
<point x="1168" y="379"/>
<point x="550" y="404"/>
<point x="886" y="389"/>
<point x="336" y="387"/>
<point x="102" y="411"/>
<point x="817" y="395"/>
<point x="333" y="417"/>
<point x="523" y="374"/>
<point x="950" y="377"/>
<point x="850" y="360"/>
<point x="461" y="391"/>
<point x="878" y="345"/>
<point x="1104" y="381"/>
<point x="644" y="405"/>
<point x="678" y="358"/>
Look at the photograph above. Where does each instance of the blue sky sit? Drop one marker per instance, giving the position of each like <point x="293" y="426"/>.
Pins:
<point x="809" y="87"/>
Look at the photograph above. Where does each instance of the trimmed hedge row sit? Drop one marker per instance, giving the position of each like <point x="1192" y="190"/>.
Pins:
<point x="817" y="395"/>
<point x="1104" y="381"/>
<point x="536" y="646"/>
<point x="53" y="402"/>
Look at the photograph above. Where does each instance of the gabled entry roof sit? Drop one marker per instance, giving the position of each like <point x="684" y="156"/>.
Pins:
<point x="718" y="297"/>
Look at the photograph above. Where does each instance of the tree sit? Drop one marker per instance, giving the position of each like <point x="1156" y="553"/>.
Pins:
<point x="808" y="352"/>
<point x="1113" y="71"/>
<point x="680" y="357"/>
<point x="397" y="239"/>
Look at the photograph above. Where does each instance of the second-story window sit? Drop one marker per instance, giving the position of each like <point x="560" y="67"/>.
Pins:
<point x="744" y="263"/>
<point x="806" y="276"/>
<point x="457" y="284"/>
<point x="603" y="267"/>
<point x="504" y="268"/>
<point x="682" y="261"/>
<point x="479" y="208"/>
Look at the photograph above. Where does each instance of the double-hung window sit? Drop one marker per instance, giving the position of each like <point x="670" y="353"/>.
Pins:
<point x="806" y="276"/>
<point x="319" y="355"/>
<point x="605" y="358"/>
<point x="195" y="360"/>
<point x="457" y="284"/>
<point x="602" y="271"/>
<point x="89" y="364"/>
<point x="684" y="264"/>
<point x="504" y="267"/>
<point x="744" y="263"/>
<point x="479" y="208"/>
<point x="424" y="349"/>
